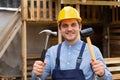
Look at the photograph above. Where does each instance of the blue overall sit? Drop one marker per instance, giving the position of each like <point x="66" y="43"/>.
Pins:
<point x="72" y="74"/>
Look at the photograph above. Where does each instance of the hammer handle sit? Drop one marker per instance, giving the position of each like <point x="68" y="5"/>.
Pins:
<point x="91" y="49"/>
<point x="43" y="55"/>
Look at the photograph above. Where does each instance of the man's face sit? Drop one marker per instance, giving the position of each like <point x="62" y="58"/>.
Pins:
<point x="70" y="29"/>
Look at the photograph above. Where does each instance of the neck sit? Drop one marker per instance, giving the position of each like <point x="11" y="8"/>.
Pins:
<point x="72" y="42"/>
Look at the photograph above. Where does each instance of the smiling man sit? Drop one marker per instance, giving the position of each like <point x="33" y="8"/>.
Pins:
<point x="70" y="60"/>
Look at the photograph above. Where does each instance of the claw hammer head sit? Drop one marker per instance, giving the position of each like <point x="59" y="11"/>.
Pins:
<point x="48" y="32"/>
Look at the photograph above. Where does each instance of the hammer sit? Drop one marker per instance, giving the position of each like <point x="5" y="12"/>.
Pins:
<point x="87" y="33"/>
<point x="48" y="33"/>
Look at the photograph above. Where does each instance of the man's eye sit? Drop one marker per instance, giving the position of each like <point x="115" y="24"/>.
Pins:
<point x="64" y="25"/>
<point x="73" y="24"/>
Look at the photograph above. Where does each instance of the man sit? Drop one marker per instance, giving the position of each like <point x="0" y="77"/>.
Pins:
<point x="71" y="59"/>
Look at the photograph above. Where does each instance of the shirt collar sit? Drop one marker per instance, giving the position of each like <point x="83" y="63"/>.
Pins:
<point x="77" y="44"/>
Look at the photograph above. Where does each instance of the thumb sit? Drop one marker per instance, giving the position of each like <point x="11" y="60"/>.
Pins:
<point x="45" y="62"/>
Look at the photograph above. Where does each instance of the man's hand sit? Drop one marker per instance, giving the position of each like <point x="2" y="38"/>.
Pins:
<point x="38" y="67"/>
<point x="98" y="67"/>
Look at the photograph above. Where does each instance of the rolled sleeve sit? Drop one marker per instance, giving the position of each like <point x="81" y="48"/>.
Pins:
<point x="34" y="77"/>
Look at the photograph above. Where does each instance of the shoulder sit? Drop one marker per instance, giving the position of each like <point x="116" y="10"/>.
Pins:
<point x="53" y="48"/>
<point x="95" y="49"/>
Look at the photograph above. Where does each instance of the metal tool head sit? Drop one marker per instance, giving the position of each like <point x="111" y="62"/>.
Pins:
<point x="86" y="32"/>
<point x="48" y="32"/>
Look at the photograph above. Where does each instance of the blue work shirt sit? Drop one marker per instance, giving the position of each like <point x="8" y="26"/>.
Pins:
<point x="68" y="57"/>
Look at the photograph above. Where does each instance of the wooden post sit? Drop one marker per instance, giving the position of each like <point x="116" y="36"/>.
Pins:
<point x="38" y="9"/>
<point x="24" y="51"/>
<point x="24" y="44"/>
<point x="58" y="3"/>
<point x="56" y="9"/>
<point x="78" y="9"/>
<point x="50" y="10"/>
<point x="32" y="11"/>
<point x="44" y="9"/>
<point x="24" y="9"/>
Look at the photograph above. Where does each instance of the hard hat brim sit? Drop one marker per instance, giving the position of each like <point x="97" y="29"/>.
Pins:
<point x="79" y="19"/>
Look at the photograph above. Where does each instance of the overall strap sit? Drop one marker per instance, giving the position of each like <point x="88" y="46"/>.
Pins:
<point x="57" y="65"/>
<point x="79" y="59"/>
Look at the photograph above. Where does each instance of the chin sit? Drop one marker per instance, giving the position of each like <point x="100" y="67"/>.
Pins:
<point x="69" y="39"/>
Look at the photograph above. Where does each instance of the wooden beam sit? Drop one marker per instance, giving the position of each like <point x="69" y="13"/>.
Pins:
<point x="10" y="39"/>
<point x="9" y="21"/>
<point x="9" y="30"/>
<point x="101" y="3"/>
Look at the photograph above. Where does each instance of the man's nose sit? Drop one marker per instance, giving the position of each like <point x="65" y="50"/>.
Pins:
<point x="69" y="27"/>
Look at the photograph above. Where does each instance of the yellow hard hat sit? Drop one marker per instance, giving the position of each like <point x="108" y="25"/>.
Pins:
<point x="68" y="12"/>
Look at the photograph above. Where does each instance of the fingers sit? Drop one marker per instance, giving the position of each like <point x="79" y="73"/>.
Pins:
<point x="98" y="67"/>
<point x="38" y="67"/>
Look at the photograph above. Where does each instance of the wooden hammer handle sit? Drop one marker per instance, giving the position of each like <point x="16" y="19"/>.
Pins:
<point x="90" y="48"/>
